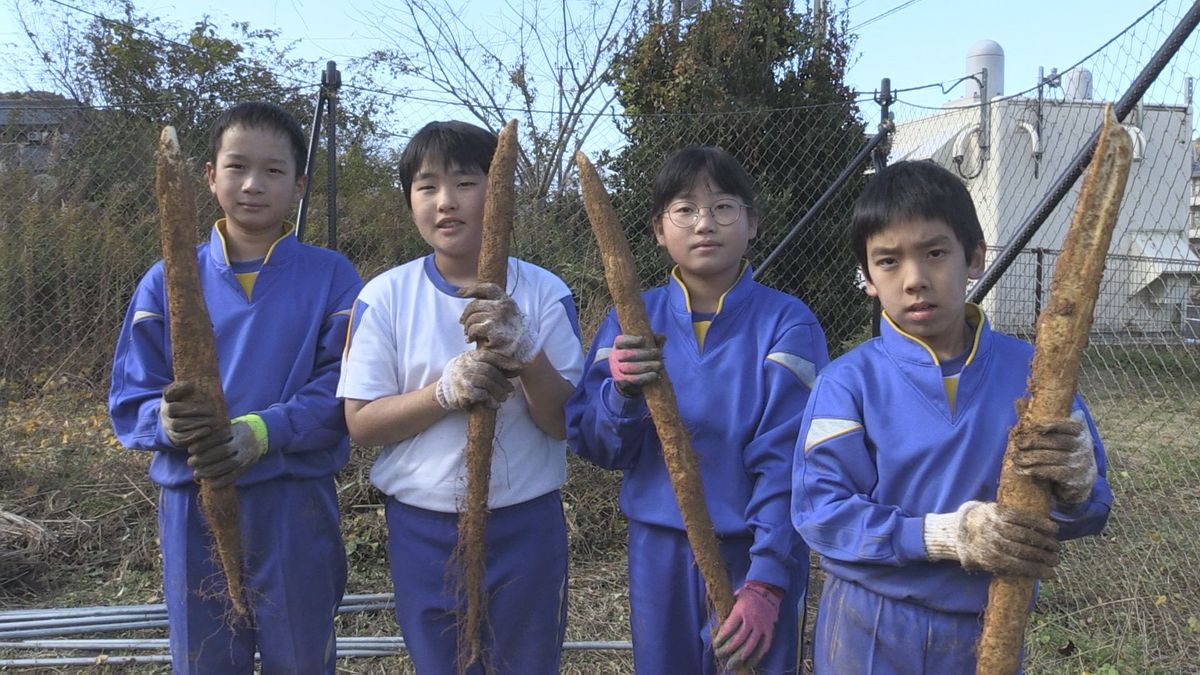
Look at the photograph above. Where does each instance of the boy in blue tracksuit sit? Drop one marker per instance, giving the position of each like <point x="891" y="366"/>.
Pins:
<point x="280" y="311"/>
<point x="899" y="455"/>
<point x="741" y="358"/>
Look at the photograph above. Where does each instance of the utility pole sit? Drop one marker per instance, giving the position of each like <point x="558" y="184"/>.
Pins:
<point x="820" y="17"/>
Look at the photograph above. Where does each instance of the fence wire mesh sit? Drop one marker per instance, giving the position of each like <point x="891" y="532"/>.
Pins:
<point x="78" y="227"/>
<point x="1131" y="597"/>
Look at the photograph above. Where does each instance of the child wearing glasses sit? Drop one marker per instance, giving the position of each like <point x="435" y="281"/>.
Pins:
<point x="742" y="358"/>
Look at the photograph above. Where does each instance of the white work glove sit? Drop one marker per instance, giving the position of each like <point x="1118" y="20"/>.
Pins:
<point x="495" y="323"/>
<point x="993" y="538"/>
<point x="183" y="419"/>
<point x="1061" y="453"/>
<point x="221" y="459"/>
<point x="478" y="377"/>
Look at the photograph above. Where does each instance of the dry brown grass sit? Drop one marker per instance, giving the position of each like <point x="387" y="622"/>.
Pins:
<point x="1125" y="602"/>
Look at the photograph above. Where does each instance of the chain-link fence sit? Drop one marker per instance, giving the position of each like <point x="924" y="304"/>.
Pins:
<point x="78" y="227"/>
<point x="1131" y="597"/>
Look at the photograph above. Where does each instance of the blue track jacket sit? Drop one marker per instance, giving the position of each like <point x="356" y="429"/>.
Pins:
<point x="740" y="398"/>
<point x="881" y="447"/>
<point x="279" y="355"/>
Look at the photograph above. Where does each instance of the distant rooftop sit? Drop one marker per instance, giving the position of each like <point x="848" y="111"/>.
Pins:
<point x="35" y="112"/>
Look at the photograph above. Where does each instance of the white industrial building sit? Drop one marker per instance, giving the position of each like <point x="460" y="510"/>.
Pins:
<point x="1011" y="150"/>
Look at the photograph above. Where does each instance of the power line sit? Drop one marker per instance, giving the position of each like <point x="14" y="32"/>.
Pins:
<point x="886" y="14"/>
<point x="951" y="84"/>
<point x="850" y="7"/>
<point x="163" y="38"/>
<point x="123" y="24"/>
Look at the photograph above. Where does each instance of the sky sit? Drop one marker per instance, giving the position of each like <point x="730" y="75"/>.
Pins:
<point x="912" y="42"/>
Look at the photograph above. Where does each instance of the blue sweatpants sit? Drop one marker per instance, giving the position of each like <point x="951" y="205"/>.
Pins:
<point x="525" y="580"/>
<point x="860" y="632"/>
<point x="294" y="572"/>
<point x="668" y="612"/>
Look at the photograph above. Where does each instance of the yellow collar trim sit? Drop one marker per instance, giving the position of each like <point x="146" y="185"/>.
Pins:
<point x="225" y="247"/>
<point x="975" y="320"/>
<point x="974" y="315"/>
<point x="721" y="300"/>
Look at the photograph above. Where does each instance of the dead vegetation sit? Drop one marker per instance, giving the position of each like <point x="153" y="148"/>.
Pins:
<point x="23" y="546"/>
<point x="1127" y="600"/>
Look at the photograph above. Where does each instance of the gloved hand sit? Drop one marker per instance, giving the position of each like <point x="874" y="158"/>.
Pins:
<point x="494" y="322"/>
<point x="746" y="634"/>
<point x="634" y="364"/>
<point x="478" y="377"/>
<point x="1061" y="453"/>
<point x="987" y="536"/>
<point x="183" y="419"/>
<point x="222" y="458"/>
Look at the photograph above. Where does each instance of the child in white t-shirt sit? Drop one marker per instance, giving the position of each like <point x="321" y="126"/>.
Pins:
<point x="409" y="375"/>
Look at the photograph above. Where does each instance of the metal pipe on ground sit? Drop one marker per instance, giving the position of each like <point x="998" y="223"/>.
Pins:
<point x="89" y="628"/>
<point x="76" y="621"/>
<point x="20" y="614"/>
<point x="347" y="647"/>
<point x="349" y="641"/>
<point x="349" y="603"/>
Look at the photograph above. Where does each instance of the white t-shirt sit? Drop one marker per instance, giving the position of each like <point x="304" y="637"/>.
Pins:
<point x="404" y="330"/>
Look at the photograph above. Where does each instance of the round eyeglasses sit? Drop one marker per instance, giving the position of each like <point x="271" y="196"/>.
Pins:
<point x="687" y="214"/>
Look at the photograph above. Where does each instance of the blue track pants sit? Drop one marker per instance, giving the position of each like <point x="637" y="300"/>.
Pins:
<point x="525" y="581"/>
<point x="294" y="572"/>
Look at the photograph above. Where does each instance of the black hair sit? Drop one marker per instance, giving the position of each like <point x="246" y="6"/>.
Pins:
<point x="451" y="143"/>
<point x="686" y="165"/>
<point x="909" y="190"/>
<point x="261" y="115"/>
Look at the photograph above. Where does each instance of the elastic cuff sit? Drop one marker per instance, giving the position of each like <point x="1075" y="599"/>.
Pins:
<point x="1061" y="511"/>
<point x="941" y="535"/>
<point x="531" y="350"/>
<point x="162" y="443"/>
<point x="621" y="405"/>
<point x="765" y="587"/>
<point x="439" y="395"/>
<point x="259" y="427"/>
<point x="768" y="570"/>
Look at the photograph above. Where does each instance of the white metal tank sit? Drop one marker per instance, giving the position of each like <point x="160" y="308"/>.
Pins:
<point x="1079" y="85"/>
<point x="990" y="55"/>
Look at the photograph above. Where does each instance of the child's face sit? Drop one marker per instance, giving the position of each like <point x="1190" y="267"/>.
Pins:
<point x="918" y="270"/>
<point x="253" y="178"/>
<point x="712" y="246"/>
<point x="447" y="207"/>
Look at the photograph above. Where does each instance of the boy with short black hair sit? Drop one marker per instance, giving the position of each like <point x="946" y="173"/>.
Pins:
<point x="280" y="312"/>
<point x="899" y="455"/>
<point x="409" y="378"/>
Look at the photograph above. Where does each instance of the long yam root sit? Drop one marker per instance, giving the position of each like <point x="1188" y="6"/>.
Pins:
<point x="677" y="449"/>
<point x="193" y="351"/>
<point x="1062" y="334"/>
<point x="498" y="209"/>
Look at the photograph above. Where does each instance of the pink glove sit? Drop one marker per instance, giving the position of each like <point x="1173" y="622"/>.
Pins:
<point x="745" y="636"/>
<point x="633" y="364"/>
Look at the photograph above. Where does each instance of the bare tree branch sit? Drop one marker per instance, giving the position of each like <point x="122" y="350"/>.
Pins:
<point x="545" y="63"/>
<point x="59" y="59"/>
